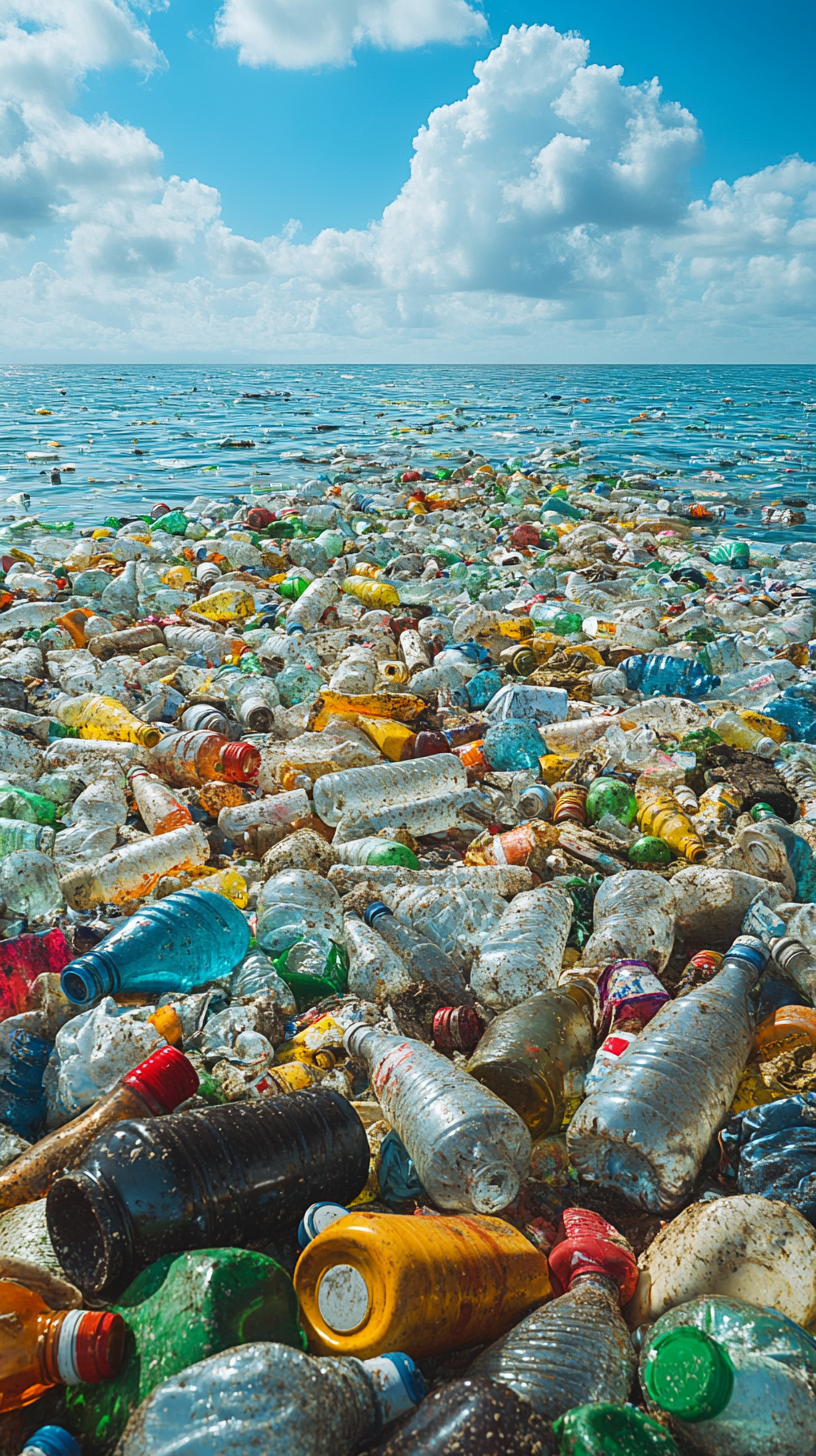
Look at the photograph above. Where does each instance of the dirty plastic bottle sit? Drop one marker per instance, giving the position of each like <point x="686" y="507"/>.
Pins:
<point x="41" y="1347"/>
<point x="214" y="646"/>
<point x="422" y="958"/>
<point x="278" y="809"/>
<point x="185" y="759"/>
<point x="154" y="1088"/>
<point x="611" y="1430"/>
<point x="469" y="1148"/>
<point x="305" y="613"/>
<point x="376" y="972"/>
<point x="576" y="1349"/>
<point x="362" y="790"/>
<point x="224" y="1176"/>
<point x="535" y="1055"/>
<point x="51" y="1441"/>
<point x="660" y="815"/>
<point x="372" y="1280"/>
<point x="634" y="919"/>
<point x="611" y="796"/>
<point x="269" y="1398"/>
<point x="297" y="905"/>
<point x="158" y="806"/>
<point x="17" y="834"/>
<point x="181" y="1309"/>
<point x="29" y="887"/>
<point x="523" y="954"/>
<point x="470" y="1417"/>
<point x="205" y="718"/>
<point x="229" y="604"/>
<point x="255" y="976"/>
<point x="649" y="1125"/>
<point x="375" y="851"/>
<point x="660" y="675"/>
<point x="22" y="1100"/>
<point x="131" y="872"/>
<point x="95" y="716"/>
<point x="734" y="1378"/>
<point x="180" y="943"/>
<point x="735" y="731"/>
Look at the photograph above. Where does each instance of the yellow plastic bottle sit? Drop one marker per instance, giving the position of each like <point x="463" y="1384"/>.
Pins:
<point x="228" y="883"/>
<point x="734" y="731"/>
<point x="768" y="727"/>
<point x="320" y="1044"/>
<point x="425" y="1285"/>
<point x="661" y="816"/>
<point x="227" y="605"/>
<point x="372" y="593"/>
<point x="365" y="568"/>
<point x="279" y="1081"/>
<point x="393" y="739"/>
<point x="95" y="716"/>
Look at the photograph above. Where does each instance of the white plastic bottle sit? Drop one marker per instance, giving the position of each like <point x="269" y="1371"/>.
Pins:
<point x="364" y="790"/>
<point x="470" y="1149"/>
<point x="523" y="952"/>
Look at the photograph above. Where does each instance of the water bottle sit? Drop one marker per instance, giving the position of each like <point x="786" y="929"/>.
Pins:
<point x="472" y="1417"/>
<point x="17" y="834"/>
<point x="225" y="1176"/>
<point x="29" y="887"/>
<point x="236" y="819"/>
<point x="295" y="905"/>
<point x="305" y="613"/>
<point x="469" y="1148"/>
<point x="376" y="851"/>
<point x="193" y="758"/>
<point x="213" y="646"/>
<point x="577" y="1348"/>
<point x="422" y="958"/>
<point x="161" y="811"/>
<point x="733" y="1377"/>
<point x="649" y="1125"/>
<point x="275" y="1400"/>
<point x="256" y="976"/>
<point x="176" y="945"/>
<point x="376" y="972"/>
<point x="456" y="917"/>
<point x="796" y="714"/>
<point x="22" y="1099"/>
<point x="356" y="791"/>
<point x="634" y="919"/>
<point x="522" y="954"/>
<point x="134" y="870"/>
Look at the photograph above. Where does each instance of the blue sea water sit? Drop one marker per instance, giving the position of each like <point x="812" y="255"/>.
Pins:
<point x="137" y="435"/>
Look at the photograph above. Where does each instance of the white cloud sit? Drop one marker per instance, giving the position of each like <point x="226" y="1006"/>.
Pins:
<point x="547" y="214"/>
<point x="295" y="34"/>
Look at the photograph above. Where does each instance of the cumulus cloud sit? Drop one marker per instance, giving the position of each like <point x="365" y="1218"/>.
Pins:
<point x="295" y="34"/>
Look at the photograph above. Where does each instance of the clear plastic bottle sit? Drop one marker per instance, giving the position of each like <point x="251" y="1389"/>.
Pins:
<point x="457" y="918"/>
<point x="523" y="954"/>
<point x="376" y="972"/>
<point x="649" y="1125"/>
<point x="29" y="887"/>
<point x="95" y="716"/>
<point x="194" y="758"/>
<point x="469" y="1148"/>
<point x="250" y="697"/>
<point x="272" y="1399"/>
<point x="577" y="1348"/>
<point x="298" y="905"/>
<point x="422" y="958"/>
<point x="634" y="920"/>
<point x="275" y="809"/>
<point x="733" y="1377"/>
<point x="18" y="834"/>
<point x="185" y="641"/>
<point x="256" y="976"/>
<point x="41" y="1347"/>
<point x="356" y="791"/>
<point x="158" y="806"/>
<point x="305" y="613"/>
<point x="735" y="731"/>
<point x="376" y="851"/>
<point x="132" y="872"/>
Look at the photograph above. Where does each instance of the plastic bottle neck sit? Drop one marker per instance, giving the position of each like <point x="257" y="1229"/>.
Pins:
<point x="80" y="1347"/>
<point x="240" y="762"/>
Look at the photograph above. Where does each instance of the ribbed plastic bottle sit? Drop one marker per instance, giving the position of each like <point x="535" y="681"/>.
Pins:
<point x="422" y="958"/>
<point x="256" y="975"/>
<point x="158" y="806"/>
<point x="41" y="1347"/>
<point x="660" y="815"/>
<point x="131" y="639"/>
<point x="229" y="604"/>
<point x="225" y="1176"/>
<point x="95" y="716"/>
<point x="185" y="759"/>
<point x="176" y="945"/>
<point x="51" y="1441"/>
<point x="132" y="872"/>
<point x="469" y="1148"/>
<point x="274" y="1400"/>
<point x="213" y="646"/>
<point x="376" y="972"/>
<point x="355" y="791"/>
<point x="429" y="1285"/>
<point x="575" y="1349"/>
<point x="203" y="717"/>
<point x="181" y="1309"/>
<point x="634" y="919"/>
<point x="648" y="1126"/>
<point x="19" y="803"/>
<point x="522" y="955"/>
<point x="305" y="613"/>
<point x="535" y="1055"/>
<point x="734" y="1378"/>
<point x="275" y="809"/>
<point x="22" y="1099"/>
<point x="470" y="1417"/>
<point x="152" y="1089"/>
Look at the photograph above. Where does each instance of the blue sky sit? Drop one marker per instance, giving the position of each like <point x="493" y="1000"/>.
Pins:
<point x="314" y="180"/>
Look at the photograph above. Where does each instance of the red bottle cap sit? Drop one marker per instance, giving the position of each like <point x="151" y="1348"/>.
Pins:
<point x="240" y="762"/>
<point x="587" y="1244"/>
<point x="259" y="518"/>
<point x="456" y="1028"/>
<point x="99" y="1344"/>
<point x="165" y="1079"/>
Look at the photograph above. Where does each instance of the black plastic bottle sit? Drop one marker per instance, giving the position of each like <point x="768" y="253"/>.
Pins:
<point x="239" y="1176"/>
<point x="473" y="1417"/>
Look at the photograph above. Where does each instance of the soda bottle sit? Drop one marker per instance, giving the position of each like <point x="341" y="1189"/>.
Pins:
<point x="159" y="808"/>
<point x="41" y="1347"/>
<point x="95" y="716"/>
<point x="611" y="1430"/>
<point x="192" y="758"/>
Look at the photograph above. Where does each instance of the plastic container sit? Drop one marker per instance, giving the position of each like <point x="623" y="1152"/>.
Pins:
<point x="158" y="806"/>
<point x="22" y="959"/>
<point x="428" y="1285"/>
<point x="298" y="905"/>
<point x="423" y="959"/>
<point x="376" y="972"/>
<point x="280" y="809"/>
<point x="40" y="1347"/>
<point x="523" y="954"/>
<point x="305" y="613"/>
<point x="22" y="1100"/>
<point x="634" y="919"/>
<point x="194" y="758"/>
<point x="131" y="872"/>
<point x="660" y="815"/>
<point x="470" y="1417"/>
<point x="95" y="716"/>
<point x="469" y="1148"/>
<point x="227" y="1176"/>
<point x="611" y="1430"/>
<point x="356" y="791"/>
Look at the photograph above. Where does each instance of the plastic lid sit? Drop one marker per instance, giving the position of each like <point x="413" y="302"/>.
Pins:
<point x="318" y="1216"/>
<point x="240" y="762"/>
<point x="688" y="1374"/>
<point x="51" y="1441"/>
<point x="166" y="1077"/>
<point x="590" y="1245"/>
<point x="90" y="1346"/>
<point x="611" y="1430"/>
<point x="343" y="1298"/>
<point x="398" y="1384"/>
<point x="373" y="911"/>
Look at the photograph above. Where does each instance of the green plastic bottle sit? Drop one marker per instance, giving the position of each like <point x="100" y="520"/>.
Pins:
<point x="292" y="588"/>
<point x="611" y="796"/>
<point x="312" y="973"/>
<point x="611" y="1430"/>
<point x="178" y="1311"/>
<point x="17" y="803"/>
<point x="647" y="851"/>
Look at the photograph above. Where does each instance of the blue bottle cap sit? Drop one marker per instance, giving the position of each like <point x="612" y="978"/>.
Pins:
<point x="318" y="1216"/>
<point x="51" y="1441"/>
<point x="398" y="1384"/>
<point x="373" y="911"/>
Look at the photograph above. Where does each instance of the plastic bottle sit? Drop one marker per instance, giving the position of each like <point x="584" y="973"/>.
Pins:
<point x="422" y="958"/>
<point x="611" y="1430"/>
<point x="16" y="834"/>
<point x="178" y="1311"/>
<point x="661" y="675"/>
<point x="154" y="1088"/>
<point x="29" y="887"/>
<point x="306" y="612"/>
<point x="537" y="802"/>
<point x="733" y="730"/>
<point x="611" y="796"/>
<point x="22" y="959"/>
<point x="40" y="1347"/>
<point x="230" y="604"/>
<point x="51" y="1441"/>
<point x="376" y="972"/>
<point x="280" y="809"/>
<point x="132" y="871"/>
<point x="428" y="1285"/>
<point x="470" y="1417"/>
<point x="634" y="919"/>
<point x="19" y="803"/>
<point x="226" y="1176"/>
<point x="180" y="943"/>
<point x="193" y="758"/>
<point x="298" y="905"/>
<point x="733" y="1377"/>
<point x="523" y="954"/>
<point x="95" y="716"/>
<point x="276" y="1400"/>
<point x="22" y="1100"/>
<point x="576" y="1349"/>
<point x="131" y="640"/>
<point x="202" y="717"/>
<point x="470" y="1150"/>
<point x="360" y="790"/>
<point x="534" y="1056"/>
<point x="660" y="815"/>
<point x="161" y="811"/>
<point x="649" y="1125"/>
<point x="214" y="646"/>
<point x="255" y="976"/>
<point x="376" y="851"/>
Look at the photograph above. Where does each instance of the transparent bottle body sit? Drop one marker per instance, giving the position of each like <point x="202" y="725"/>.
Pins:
<point x="422" y="958"/>
<point x="360" y="790"/>
<point x="298" y="905"/>
<point x="375" y="970"/>
<point x="158" y="806"/>
<point x="522" y="954"/>
<point x="634" y="920"/>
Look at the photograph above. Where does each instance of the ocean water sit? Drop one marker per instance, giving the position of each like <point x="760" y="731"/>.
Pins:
<point x="137" y="435"/>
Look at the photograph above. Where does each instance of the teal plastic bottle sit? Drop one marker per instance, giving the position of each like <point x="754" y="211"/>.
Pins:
<point x="182" y="942"/>
<point x="180" y="1310"/>
<point x="736" y="1378"/>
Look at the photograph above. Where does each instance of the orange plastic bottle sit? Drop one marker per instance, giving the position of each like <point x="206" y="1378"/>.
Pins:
<point x="424" y="1285"/>
<point x="158" y="806"/>
<point x="787" y="1024"/>
<point x="41" y="1347"/>
<point x="193" y="758"/>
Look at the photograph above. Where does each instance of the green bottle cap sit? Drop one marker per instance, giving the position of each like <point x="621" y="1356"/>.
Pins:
<point x="648" y="851"/>
<point x="688" y="1374"/>
<point x="393" y="853"/>
<point x="762" y="811"/>
<point x="611" y="1430"/>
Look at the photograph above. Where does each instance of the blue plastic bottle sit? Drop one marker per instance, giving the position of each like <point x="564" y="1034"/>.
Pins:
<point x="514" y="744"/>
<point x="22" y="1100"/>
<point x="797" y="714"/>
<point x="661" y="674"/>
<point x="182" y="942"/>
<point x="51" y="1441"/>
